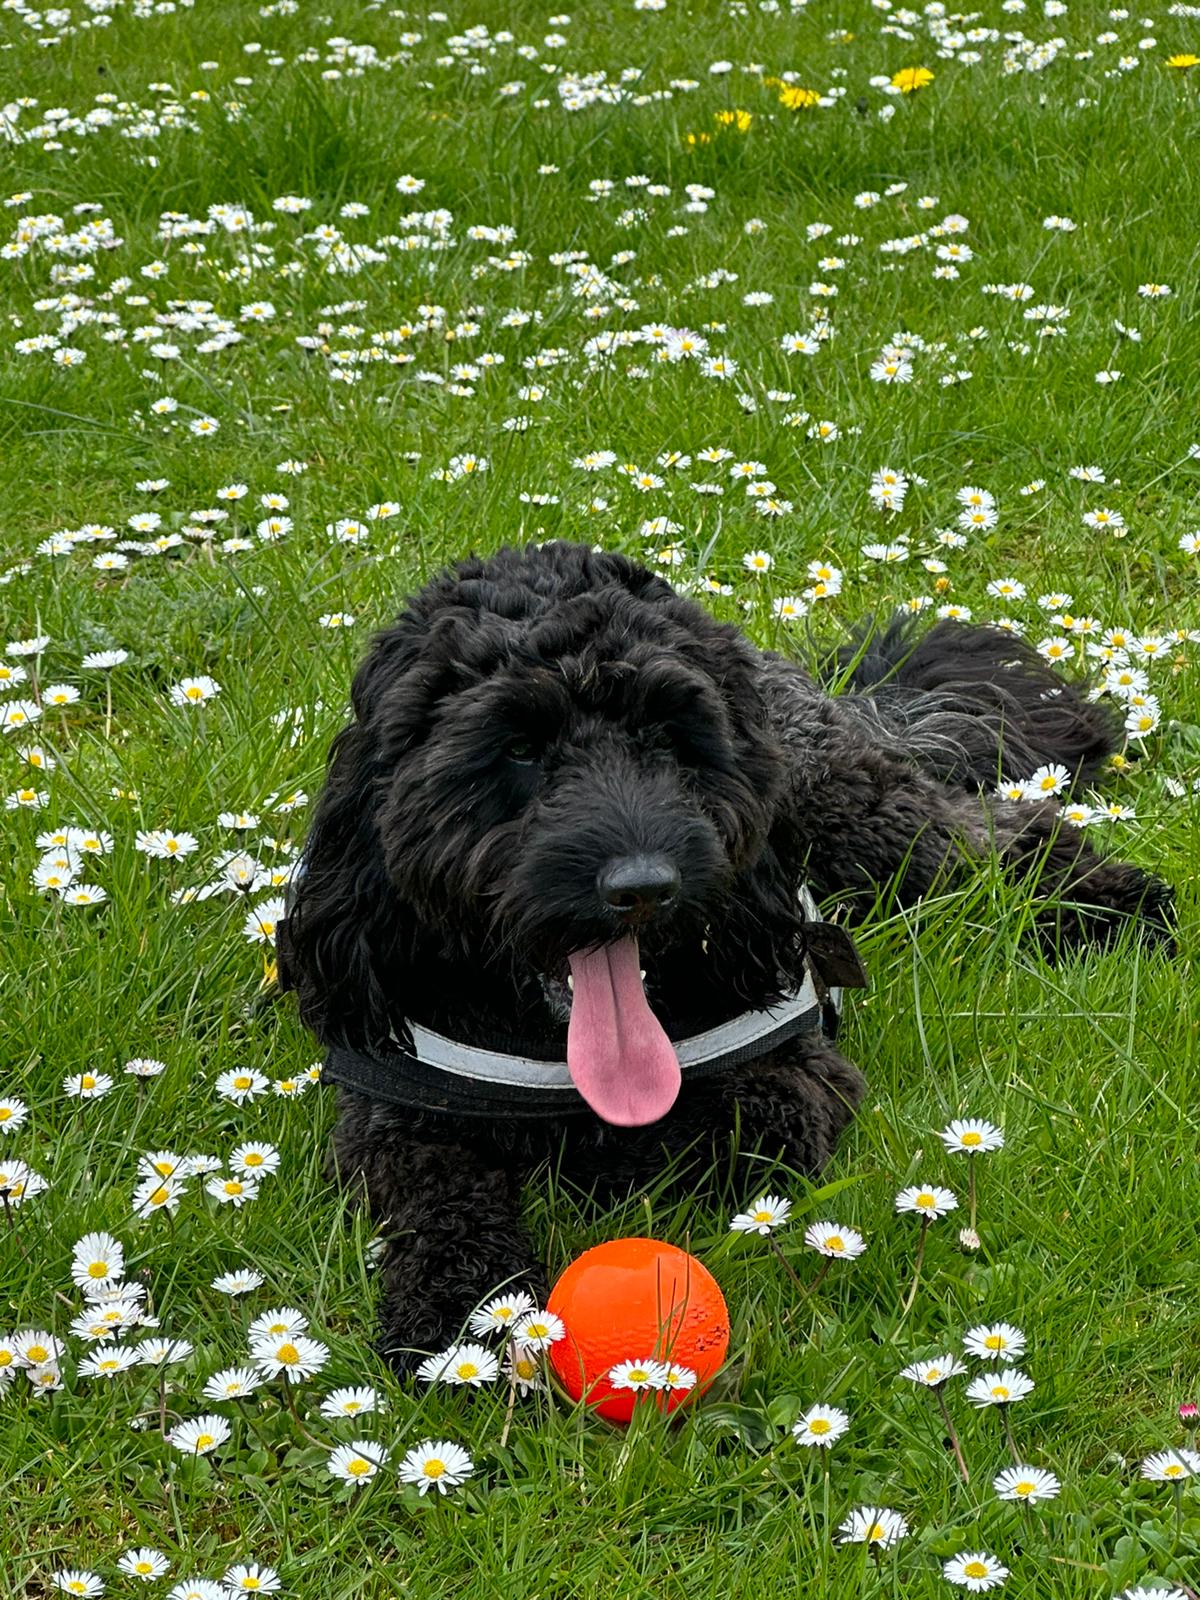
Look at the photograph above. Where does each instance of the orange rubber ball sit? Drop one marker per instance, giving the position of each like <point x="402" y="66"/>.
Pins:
<point x="633" y="1300"/>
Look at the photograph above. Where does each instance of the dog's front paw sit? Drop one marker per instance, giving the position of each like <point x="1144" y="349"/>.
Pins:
<point x="415" y="1324"/>
<point x="1113" y="898"/>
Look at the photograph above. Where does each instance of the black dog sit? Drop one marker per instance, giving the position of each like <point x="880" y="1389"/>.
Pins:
<point x="560" y="769"/>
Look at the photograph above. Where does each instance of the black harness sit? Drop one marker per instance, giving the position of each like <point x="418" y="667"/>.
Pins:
<point x="427" y="1071"/>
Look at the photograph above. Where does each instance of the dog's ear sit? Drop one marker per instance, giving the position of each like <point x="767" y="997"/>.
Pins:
<point x="345" y="944"/>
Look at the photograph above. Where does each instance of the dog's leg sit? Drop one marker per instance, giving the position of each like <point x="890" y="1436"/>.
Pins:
<point x="451" y="1218"/>
<point x="792" y="1106"/>
<point x="868" y="817"/>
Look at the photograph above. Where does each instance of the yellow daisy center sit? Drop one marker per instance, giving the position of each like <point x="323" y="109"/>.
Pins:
<point x="933" y="1375"/>
<point x="1172" y="1470"/>
<point x="1000" y="1391"/>
<point x="203" y="1440"/>
<point x="524" y="1367"/>
<point x="143" y="1567"/>
<point x="876" y="1531"/>
<point x="232" y="1186"/>
<point x="994" y="1341"/>
<point x="98" y="1269"/>
<point x="37" y="1353"/>
<point x="5" y="1113"/>
<point x="927" y="1201"/>
<point x="242" y="1082"/>
<point x="835" y="1242"/>
<point x="160" y="1196"/>
<point x="253" y="1159"/>
<point x="358" y="1468"/>
<point x="434" y="1468"/>
<point x="975" y="1569"/>
<point x="194" y="694"/>
<point x="288" y="1354"/>
<point x="467" y="1369"/>
<point x="87" y="1081"/>
<point x="819" y="1425"/>
<point x="971" y="1138"/>
<point x="111" y="1366"/>
<point x="250" y="1582"/>
<point x="762" y="1216"/>
<point x="1025" y="1487"/>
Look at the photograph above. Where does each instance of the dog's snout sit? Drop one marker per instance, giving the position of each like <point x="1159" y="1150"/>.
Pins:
<point x="638" y="886"/>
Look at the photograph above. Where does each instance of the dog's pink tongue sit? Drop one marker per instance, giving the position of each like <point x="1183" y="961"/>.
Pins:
<point x="621" y="1061"/>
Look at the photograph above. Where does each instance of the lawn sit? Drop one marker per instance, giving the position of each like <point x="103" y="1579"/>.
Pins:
<point x="299" y="304"/>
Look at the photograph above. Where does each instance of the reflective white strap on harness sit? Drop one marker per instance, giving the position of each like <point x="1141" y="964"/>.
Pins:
<point x="737" y="1035"/>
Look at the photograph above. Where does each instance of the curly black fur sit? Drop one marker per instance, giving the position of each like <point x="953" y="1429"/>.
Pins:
<point x="533" y="715"/>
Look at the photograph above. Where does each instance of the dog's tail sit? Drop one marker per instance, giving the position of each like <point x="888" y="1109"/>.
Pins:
<point x="971" y="704"/>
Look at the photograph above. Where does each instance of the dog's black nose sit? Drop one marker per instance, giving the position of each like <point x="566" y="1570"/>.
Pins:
<point x="638" y="886"/>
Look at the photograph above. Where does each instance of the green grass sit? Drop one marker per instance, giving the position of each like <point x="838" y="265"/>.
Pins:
<point x="1087" y="1217"/>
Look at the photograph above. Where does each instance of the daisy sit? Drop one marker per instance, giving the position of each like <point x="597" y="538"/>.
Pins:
<point x="12" y="1114"/>
<point x="199" y="1435"/>
<point x="253" y="1579"/>
<point x="500" y="1314"/>
<point x="820" y="1425"/>
<point x="241" y="1084"/>
<point x="97" y="1259"/>
<point x="107" y="1360"/>
<point x="1166" y="1467"/>
<point x="144" y="1067"/>
<point x="872" y="1525"/>
<point x="436" y="1464"/>
<point x="463" y="1363"/>
<point x="975" y="1572"/>
<point x="145" y="1563"/>
<point x="241" y="1282"/>
<point x="524" y="1371"/>
<point x="758" y="561"/>
<point x="281" y="1322"/>
<point x="349" y="1403"/>
<point x="193" y="691"/>
<point x="769" y="1211"/>
<point x="73" y="1581"/>
<point x="1049" y="780"/>
<point x="87" y="1085"/>
<point x="926" y="1201"/>
<point x="159" y="1352"/>
<point x="255" y="1160"/>
<point x="232" y="1383"/>
<point x="638" y="1375"/>
<point x="832" y="1239"/>
<point x="990" y="1342"/>
<point x="934" y="1372"/>
<point x="164" y="1164"/>
<point x="358" y="1461"/>
<point x="33" y="1347"/>
<point x="298" y="1357"/>
<point x="538" y="1330"/>
<point x="157" y="1194"/>
<point x="999" y="1388"/>
<point x="235" y="1192"/>
<point x="198" y="1589"/>
<point x="1029" y="1484"/>
<point x="679" y="1377"/>
<point x="972" y="1137"/>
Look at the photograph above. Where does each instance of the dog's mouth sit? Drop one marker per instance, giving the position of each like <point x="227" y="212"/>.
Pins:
<point x="619" y="1056"/>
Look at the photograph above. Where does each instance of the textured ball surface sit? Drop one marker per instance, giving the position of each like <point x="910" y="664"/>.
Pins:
<point x="632" y="1300"/>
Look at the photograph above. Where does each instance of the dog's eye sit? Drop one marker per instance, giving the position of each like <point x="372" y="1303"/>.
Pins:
<point x="522" y="752"/>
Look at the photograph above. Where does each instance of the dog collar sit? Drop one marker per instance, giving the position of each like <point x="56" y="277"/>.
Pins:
<point x="428" y="1071"/>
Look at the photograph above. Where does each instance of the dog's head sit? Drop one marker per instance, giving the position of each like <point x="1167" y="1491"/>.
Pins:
<point x="557" y="765"/>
